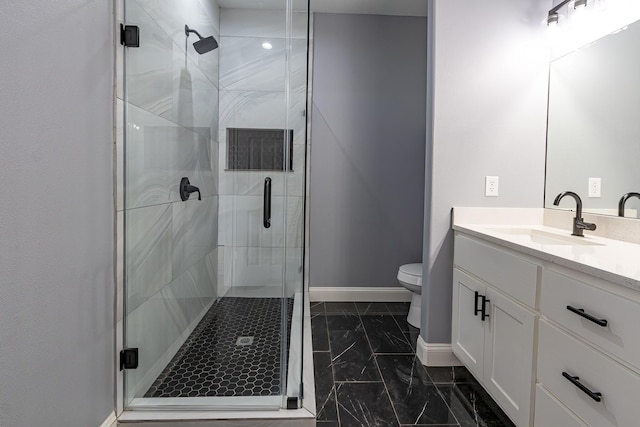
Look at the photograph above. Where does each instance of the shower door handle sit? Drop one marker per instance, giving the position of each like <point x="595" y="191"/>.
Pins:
<point x="266" y="211"/>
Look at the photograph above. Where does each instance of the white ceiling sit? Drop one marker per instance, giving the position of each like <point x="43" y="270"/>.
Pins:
<point x="373" y="7"/>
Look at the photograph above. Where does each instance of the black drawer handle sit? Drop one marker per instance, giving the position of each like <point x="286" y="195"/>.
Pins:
<point x="580" y="312"/>
<point x="595" y="395"/>
<point x="482" y="307"/>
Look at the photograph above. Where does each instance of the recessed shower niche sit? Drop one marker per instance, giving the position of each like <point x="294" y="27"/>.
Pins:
<point x="259" y="149"/>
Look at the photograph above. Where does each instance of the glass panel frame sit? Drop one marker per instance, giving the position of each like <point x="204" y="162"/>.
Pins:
<point x="174" y="271"/>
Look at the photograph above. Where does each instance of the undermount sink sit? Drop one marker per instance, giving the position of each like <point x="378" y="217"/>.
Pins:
<point x="542" y="237"/>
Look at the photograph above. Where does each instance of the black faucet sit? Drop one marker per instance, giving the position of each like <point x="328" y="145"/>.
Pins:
<point x="186" y="189"/>
<point x="578" y="222"/>
<point x="623" y="200"/>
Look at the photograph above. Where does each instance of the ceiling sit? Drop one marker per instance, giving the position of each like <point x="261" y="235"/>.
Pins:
<point x="373" y="7"/>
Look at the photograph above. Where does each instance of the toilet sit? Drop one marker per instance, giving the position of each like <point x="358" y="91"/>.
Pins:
<point x="410" y="276"/>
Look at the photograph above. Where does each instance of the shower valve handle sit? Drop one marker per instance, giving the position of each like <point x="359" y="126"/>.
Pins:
<point x="186" y="189"/>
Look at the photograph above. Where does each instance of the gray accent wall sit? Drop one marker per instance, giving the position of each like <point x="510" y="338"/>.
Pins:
<point x="488" y="74"/>
<point x="367" y="148"/>
<point x="56" y="213"/>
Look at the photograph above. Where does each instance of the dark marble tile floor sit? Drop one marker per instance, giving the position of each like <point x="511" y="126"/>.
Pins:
<point x="367" y="374"/>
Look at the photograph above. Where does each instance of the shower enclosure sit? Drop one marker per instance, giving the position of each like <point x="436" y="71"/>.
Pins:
<point x="214" y="195"/>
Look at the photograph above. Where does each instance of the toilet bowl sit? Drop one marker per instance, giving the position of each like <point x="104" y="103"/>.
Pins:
<point x="410" y="276"/>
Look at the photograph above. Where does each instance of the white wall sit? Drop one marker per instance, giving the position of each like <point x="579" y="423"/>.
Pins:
<point x="487" y="94"/>
<point x="56" y="213"/>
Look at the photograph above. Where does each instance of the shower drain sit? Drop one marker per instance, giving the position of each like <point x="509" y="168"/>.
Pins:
<point x="244" y="341"/>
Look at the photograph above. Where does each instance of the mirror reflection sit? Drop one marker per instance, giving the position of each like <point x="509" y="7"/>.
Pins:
<point x="593" y="134"/>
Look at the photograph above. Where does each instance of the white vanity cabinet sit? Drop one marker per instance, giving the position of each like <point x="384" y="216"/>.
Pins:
<point x="589" y="349"/>
<point x="493" y="333"/>
<point x="549" y="412"/>
<point x="598" y="312"/>
<point x="554" y="346"/>
<point x="600" y="391"/>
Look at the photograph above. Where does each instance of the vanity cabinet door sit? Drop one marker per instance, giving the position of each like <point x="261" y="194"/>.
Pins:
<point x="467" y="326"/>
<point x="508" y="356"/>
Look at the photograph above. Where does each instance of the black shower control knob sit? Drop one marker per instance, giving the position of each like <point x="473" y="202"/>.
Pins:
<point x="186" y="189"/>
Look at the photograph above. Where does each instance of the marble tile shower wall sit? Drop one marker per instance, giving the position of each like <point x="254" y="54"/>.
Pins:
<point x="171" y="105"/>
<point x="253" y="95"/>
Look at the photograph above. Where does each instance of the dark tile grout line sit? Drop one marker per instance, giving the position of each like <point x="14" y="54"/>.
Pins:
<point x="426" y="372"/>
<point x="357" y="313"/>
<point x="436" y="384"/>
<point x="374" y="355"/>
<point x="375" y="360"/>
<point x="334" y="390"/>
<point x="333" y="377"/>
<point x="443" y="399"/>
<point x="318" y="409"/>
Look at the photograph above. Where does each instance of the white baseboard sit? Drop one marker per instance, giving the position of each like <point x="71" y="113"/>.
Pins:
<point x="342" y="294"/>
<point x="110" y="421"/>
<point x="431" y="354"/>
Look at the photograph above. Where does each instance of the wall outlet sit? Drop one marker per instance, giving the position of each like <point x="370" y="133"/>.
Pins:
<point x="595" y="187"/>
<point x="491" y="186"/>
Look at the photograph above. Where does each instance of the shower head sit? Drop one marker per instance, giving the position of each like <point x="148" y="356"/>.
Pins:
<point x="205" y="44"/>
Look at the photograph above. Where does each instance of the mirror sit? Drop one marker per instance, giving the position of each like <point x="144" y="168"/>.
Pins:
<point x="593" y="126"/>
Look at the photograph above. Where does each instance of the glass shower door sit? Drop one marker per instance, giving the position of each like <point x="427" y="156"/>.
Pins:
<point x="213" y="283"/>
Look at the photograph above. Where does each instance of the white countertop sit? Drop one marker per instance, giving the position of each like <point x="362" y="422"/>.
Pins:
<point x="612" y="260"/>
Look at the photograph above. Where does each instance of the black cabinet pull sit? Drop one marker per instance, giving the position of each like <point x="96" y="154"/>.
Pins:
<point x="476" y="308"/>
<point x="482" y="307"/>
<point x="595" y="395"/>
<point x="580" y="312"/>
<point x="266" y="212"/>
<point x="484" y="314"/>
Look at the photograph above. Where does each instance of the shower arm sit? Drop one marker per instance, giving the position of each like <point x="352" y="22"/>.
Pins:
<point x="188" y="30"/>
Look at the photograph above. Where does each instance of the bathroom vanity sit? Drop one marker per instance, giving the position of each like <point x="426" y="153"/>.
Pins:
<point x="547" y="322"/>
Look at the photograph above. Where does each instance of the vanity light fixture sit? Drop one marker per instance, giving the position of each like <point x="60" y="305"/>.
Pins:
<point x="579" y="4"/>
<point x="553" y="16"/>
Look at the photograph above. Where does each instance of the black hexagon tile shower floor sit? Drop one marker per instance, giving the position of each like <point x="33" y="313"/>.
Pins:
<point x="234" y="351"/>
